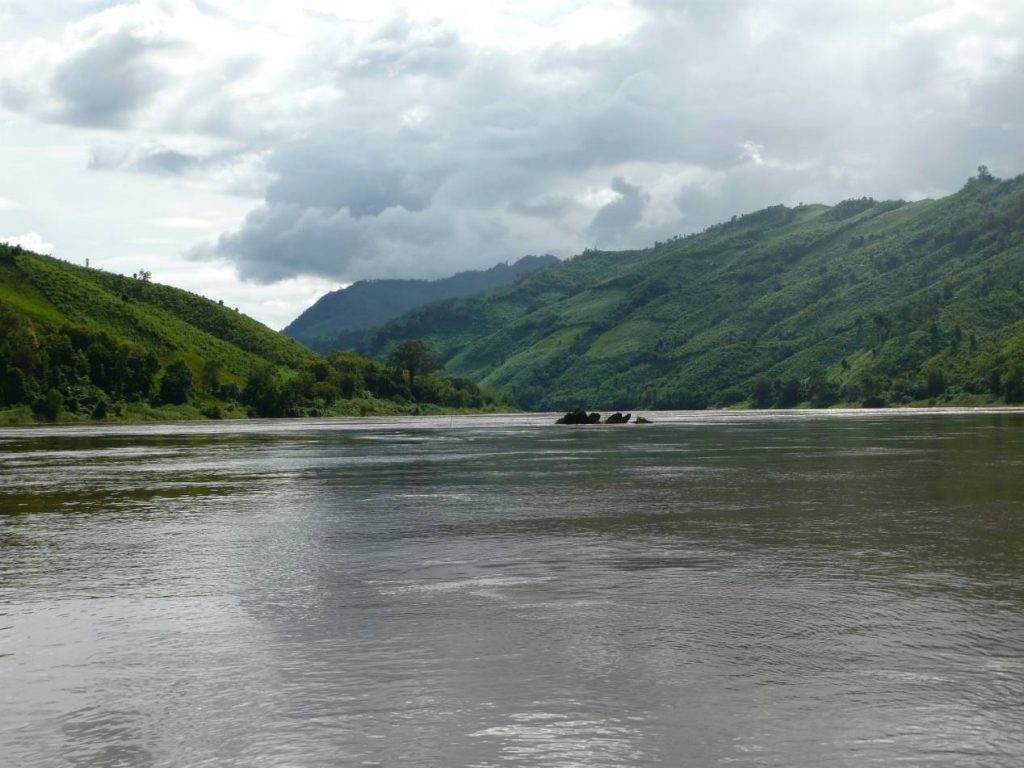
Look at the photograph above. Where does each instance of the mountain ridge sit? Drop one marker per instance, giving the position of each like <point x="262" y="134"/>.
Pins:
<point x="864" y="302"/>
<point x="330" y="322"/>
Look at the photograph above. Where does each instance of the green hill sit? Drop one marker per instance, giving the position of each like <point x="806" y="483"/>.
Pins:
<point x="864" y="302"/>
<point x="329" y="324"/>
<point x="83" y="343"/>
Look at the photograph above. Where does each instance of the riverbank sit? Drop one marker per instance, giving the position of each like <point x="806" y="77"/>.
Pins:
<point x="144" y="413"/>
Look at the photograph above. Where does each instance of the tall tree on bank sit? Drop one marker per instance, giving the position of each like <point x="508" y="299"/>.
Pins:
<point x="412" y="356"/>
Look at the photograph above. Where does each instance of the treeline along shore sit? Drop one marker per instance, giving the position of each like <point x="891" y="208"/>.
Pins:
<point x="80" y="344"/>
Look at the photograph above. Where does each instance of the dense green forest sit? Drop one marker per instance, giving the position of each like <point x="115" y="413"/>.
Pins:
<point x="329" y="324"/>
<point x="79" y="343"/>
<point x="862" y="303"/>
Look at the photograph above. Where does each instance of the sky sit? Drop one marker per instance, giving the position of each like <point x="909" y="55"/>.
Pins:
<point x="265" y="152"/>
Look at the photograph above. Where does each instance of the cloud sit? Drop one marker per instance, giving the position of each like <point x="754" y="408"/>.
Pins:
<point x="158" y="67"/>
<point x="361" y="171"/>
<point x="707" y="111"/>
<point x="7" y="204"/>
<point x="107" y="82"/>
<point x="614" y="222"/>
<point x="546" y="207"/>
<point x="104" y="71"/>
<point x="158" y="160"/>
<point x="402" y="48"/>
<point x="234" y="170"/>
<point x="410" y="146"/>
<point x="31" y="241"/>
<point x="182" y="222"/>
<point x="274" y="239"/>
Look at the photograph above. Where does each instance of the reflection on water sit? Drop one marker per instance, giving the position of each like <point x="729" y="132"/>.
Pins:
<point x="716" y="588"/>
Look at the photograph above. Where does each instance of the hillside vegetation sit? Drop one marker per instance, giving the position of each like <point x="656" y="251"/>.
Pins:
<point x="864" y="302"/>
<point x="79" y="343"/>
<point x="329" y="324"/>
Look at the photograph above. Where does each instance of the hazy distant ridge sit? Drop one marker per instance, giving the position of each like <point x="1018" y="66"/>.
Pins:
<point x="369" y="303"/>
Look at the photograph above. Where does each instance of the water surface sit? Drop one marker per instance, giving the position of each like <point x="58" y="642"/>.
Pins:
<point x="800" y="589"/>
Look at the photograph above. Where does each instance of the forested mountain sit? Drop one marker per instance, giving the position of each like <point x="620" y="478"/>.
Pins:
<point x="327" y="325"/>
<point x="83" y="343"/>
<point x="865" y="302"/>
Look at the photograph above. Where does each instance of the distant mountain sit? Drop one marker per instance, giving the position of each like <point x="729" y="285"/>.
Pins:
<point x="79" y="343"/>
<point x="369" y="303"/>
<point x="864" y="302"/>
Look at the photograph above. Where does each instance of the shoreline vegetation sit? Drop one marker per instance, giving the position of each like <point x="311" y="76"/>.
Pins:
<point x="142" y="413"/>
<point x="85" y="345"/>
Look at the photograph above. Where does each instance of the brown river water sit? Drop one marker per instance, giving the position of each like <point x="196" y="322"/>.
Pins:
<point x="742" y="589"/>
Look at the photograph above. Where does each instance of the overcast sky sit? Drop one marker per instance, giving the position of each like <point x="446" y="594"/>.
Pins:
<point x="263" y="152"/>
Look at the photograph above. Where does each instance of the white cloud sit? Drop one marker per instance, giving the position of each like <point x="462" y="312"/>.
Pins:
<point x="7" y="204"/>
<point x="184" y="222"/>
<point x="752" y="151"/>
<point x="392" y="138"/>
<point x="31" y="241"/>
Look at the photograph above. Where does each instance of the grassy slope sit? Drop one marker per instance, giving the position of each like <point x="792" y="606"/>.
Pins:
<point x="895" y="290"/>
<point x="40" y="297"/>
<point x="168" y="321"/>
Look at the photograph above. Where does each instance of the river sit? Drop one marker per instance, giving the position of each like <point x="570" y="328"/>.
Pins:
<point x="785" y="589"/>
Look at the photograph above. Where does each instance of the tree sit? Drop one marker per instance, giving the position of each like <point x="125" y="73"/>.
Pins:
<point x="412" y="356"/>
<point x="1013" y="383"/>
<point x="50" y="405"/>
<point x="13" y="387"/>
<point x="210" y="376"/>
<point x="142" y="369"/>
<point x="871" y="392"/>
<point x="935" y="382"/>
<point x="176" y="385"/>
<point x="789" y="393"/>
<point x="820" y="391"/>
<point x="263" y="393"/>
<point x="763" y="390"/>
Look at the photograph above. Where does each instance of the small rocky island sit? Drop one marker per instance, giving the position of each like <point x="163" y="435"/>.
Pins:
<point x="579" y="416"/>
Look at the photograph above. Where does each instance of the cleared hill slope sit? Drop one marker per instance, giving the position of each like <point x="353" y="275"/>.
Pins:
<point x="863" y="302"/>
<point x="329" y="323"/>
<point x="158" y="318"/>
<point x="84" y="343"/>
